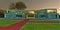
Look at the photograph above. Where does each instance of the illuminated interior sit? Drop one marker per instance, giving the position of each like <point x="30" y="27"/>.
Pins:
<point x="32" y="12"/>
<point x="51" y="11"/>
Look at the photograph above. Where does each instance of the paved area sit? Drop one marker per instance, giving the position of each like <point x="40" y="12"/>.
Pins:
<point x="15" y="26"/>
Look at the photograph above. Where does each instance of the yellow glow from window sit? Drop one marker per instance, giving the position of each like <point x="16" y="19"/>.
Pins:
<point x="51" y="11"/>
<point x="32" y="12"/>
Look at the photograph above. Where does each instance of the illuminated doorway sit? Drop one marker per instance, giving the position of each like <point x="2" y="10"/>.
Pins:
<point x="31" y="14"/>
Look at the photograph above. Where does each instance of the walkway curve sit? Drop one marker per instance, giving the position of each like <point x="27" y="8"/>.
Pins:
<point x="15" y="26"/>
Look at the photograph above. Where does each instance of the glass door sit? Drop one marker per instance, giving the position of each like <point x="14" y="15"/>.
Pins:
<point x="30" y="15"/>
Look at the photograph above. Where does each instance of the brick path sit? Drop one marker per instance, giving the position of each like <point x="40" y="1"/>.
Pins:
<point x="15" y="26"/>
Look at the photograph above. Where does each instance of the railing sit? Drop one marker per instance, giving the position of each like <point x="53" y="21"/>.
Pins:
<point x="30" y="18"/>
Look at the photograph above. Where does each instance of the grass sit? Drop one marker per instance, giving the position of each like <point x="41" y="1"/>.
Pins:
<point x="8" y="22"/>
<point x="41" y="27"/>
<point x="34" y="24"/>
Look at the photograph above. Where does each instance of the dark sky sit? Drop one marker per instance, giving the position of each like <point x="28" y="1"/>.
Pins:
<point x="33" y="4"/>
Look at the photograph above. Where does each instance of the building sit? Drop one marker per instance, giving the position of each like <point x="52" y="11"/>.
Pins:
<point x="43" y="13"/>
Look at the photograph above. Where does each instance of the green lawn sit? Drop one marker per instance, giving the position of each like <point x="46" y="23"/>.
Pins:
<point x="8" y="22"/>
<point x="34" y="24"/>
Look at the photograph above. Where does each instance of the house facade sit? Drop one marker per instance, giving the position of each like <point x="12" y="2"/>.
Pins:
<point x="43" y="13"/>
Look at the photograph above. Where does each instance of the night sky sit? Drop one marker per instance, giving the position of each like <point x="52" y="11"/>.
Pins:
<point x="33" y="4"/>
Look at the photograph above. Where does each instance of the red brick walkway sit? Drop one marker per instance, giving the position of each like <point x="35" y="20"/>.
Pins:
<point x="15" y="26"/>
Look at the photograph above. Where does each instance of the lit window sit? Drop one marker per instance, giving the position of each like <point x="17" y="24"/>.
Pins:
<point x="32" y="12"/>
<point x="51" y="11"/>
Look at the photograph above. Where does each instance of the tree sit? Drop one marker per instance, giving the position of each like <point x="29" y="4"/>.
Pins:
<point x="2" y="13"/>
<point x="18" y="5"/>
<point x="12" y="6"/>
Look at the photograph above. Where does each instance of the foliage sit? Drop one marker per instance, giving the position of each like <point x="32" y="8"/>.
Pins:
<point x="12" y="6"/>
<point x="18" y="5"/>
